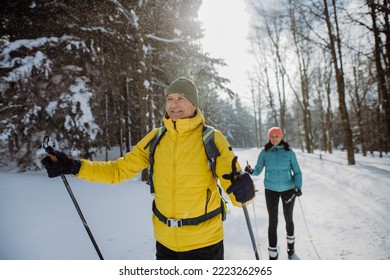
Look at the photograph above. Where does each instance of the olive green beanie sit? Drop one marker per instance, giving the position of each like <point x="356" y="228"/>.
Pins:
<point x="186" y="87"/>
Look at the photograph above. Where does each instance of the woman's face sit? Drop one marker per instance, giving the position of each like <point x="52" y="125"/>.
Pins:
<point x="275" y="139"/>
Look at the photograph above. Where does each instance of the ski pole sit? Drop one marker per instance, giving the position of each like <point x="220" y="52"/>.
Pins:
<point x="248" y="223"/>
<point x="247" y="218"/>
<point x="307" y="229"/>
<point x="50" y="151"/>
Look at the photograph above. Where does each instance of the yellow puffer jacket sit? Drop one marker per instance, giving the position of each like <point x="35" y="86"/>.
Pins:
<point x="184" y="184"/>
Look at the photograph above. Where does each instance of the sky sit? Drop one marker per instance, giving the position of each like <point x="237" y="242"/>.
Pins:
<point x="226" y="27"/>
<point x="342" y="216"/>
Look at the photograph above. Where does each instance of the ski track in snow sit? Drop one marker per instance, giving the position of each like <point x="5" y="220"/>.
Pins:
<point x="346" y="210"/>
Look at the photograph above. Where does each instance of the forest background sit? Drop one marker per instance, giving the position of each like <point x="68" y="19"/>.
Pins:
<point x="92" y="74"/>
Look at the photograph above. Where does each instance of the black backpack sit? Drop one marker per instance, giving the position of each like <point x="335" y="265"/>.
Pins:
<point x="212" y="154"/>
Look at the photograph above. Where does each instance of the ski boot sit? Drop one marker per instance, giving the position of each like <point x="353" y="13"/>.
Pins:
<point x="273" y="253"/>
<point x="290" y="245"/>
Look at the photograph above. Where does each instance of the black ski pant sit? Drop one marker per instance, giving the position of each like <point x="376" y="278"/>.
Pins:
<point x="272" y="201"/>
<point x="213" y="252"/>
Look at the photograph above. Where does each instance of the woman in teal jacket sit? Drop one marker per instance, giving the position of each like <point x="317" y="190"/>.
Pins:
<point x="283" y="179"/>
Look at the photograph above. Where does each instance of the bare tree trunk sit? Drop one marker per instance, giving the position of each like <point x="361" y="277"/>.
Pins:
<point x="121" y="128"/>
<point x="322" y="125"/>
<point x="299" y="128"/>
<point x="270" y="99"/>
<point x="335" y="50"/>
<point x="255" y="114"/>
<point x="144" y="76"/>
<point x="357" y="102"/>
<point x="282" y="99"/>
<point x="303" y="64"/>
<point x="383" y="93"/>
<point x="274" y="34"/>
<point x="127" y="120"/>
<point x="329" y="117"/>
<point x="260" y="123"/>
<point x="106" y="131"/>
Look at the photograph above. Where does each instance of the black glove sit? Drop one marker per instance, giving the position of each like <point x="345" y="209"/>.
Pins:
<point x="63" y="165"/>
<point x="298" y="191"/>
<point x="248" y="169"/>
<point x="242" y="188"/>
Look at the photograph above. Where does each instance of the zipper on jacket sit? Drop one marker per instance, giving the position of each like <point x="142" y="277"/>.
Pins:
<point x="174" y="185"/>
<point x="174" y="175"/>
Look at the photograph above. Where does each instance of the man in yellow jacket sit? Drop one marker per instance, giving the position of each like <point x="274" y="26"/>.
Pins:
<point x="187" y="207"/>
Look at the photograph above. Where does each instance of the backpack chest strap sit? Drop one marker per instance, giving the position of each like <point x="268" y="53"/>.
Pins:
<point x="184" y="222"/>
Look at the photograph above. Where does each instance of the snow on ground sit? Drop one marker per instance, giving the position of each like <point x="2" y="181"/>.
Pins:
<point x="343" y="214"/>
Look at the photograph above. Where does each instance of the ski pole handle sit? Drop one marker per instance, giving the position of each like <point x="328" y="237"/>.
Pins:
<point x="236" y="174"/>
<point x="49" y="149"/>
<point x="232" y="176"/>
<point x="234" y="167"/>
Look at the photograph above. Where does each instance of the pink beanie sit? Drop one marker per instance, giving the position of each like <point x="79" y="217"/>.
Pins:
<point x="275" y="130"/>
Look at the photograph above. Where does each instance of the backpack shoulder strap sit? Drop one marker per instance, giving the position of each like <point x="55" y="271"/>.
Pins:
<point x="156" y="137"/>
<point x="153" y="143"/>
<point x="212" y="153"/>
<point x="210" y="147"/>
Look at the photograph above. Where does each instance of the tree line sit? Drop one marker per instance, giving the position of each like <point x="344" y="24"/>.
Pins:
<point x="322" y="72"/>
<point x="92" y="74"/>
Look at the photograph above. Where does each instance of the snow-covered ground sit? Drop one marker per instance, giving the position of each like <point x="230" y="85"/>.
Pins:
<point x="343" y="214"/>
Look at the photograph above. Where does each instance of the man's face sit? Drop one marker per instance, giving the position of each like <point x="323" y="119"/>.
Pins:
<point x="179" y="107"/>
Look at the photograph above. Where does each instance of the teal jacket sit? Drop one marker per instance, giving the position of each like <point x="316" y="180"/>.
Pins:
<point x="282" y="170"/>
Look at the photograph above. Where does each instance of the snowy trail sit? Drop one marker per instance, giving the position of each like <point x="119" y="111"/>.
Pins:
<point x="346" y="208"/>
<point x="338" y="196"/>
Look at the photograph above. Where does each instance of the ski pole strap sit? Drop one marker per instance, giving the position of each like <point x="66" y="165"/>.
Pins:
<point x="184" y="222"/>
